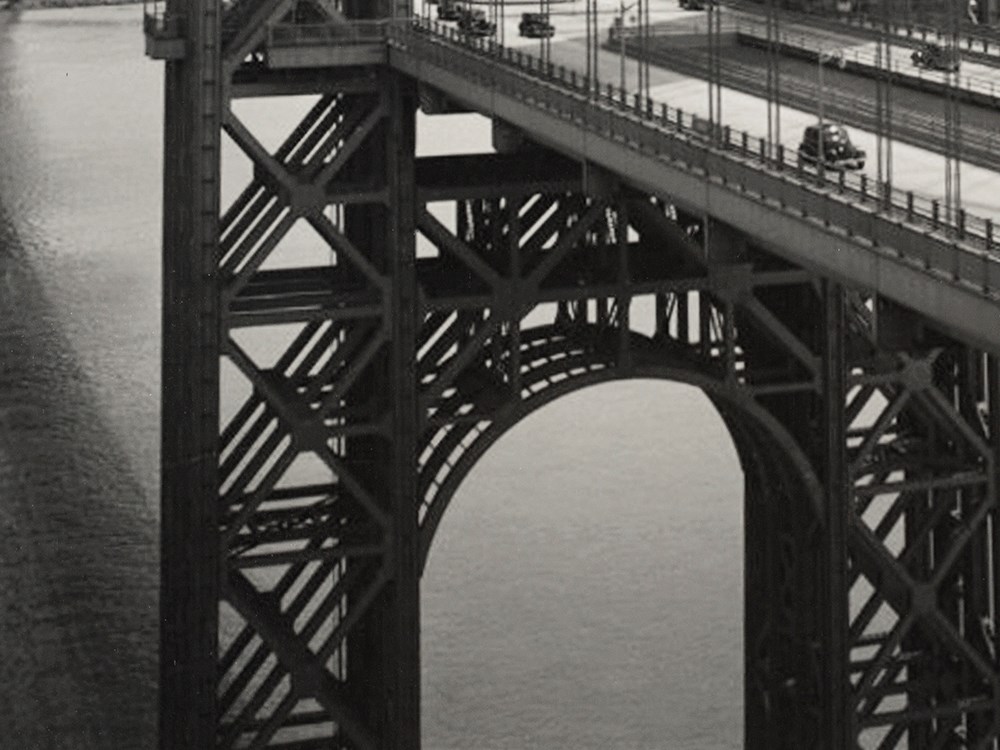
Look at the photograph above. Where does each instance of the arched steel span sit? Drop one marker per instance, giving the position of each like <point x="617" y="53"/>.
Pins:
<point x="869" y="437"/>
<point x="766" y="383"/>
<point x="557" y="361"/>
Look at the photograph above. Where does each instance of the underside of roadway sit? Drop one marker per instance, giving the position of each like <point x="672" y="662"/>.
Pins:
<point x="878" y="259"/>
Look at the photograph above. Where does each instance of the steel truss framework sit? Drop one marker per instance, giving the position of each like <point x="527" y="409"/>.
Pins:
<point x="456" y="295"/>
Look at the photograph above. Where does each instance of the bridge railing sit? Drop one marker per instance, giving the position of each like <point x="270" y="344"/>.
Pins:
<point x="983" y="41"/>
<point x="866" y="58"/>
<point x="965" y="249"/>
<point x="979" y="146"/>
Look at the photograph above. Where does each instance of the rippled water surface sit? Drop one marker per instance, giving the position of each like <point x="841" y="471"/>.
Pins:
<point x="584" y="590"/>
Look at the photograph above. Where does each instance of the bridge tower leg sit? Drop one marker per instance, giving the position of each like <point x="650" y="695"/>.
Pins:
<point x="290" y="601"/>
<point x="189" y="564"/>
<point x="383" y="664"/>
<point x="289" y="593"/>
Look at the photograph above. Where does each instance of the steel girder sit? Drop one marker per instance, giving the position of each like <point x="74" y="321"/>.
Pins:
<point x="559" y="277"/>
<point x="319" y="640"/>
<point x="922" y="420"/>
<point x="847" y="644"/>
<point x="298" y="513"/>
<point x="289" y="576"/>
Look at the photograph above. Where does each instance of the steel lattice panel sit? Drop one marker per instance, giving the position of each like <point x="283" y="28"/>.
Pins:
<point x="368" y="384"/>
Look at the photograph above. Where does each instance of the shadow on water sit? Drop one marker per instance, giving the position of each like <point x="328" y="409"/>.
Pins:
<point x="78" y="564"/>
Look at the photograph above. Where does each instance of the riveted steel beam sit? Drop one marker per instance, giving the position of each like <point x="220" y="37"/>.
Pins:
<point x="369" y="383"/>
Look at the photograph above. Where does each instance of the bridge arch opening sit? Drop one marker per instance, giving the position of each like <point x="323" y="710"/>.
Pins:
<point x="587" y="590"/>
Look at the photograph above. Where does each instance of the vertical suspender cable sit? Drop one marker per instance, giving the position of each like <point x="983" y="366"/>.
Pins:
<point x="957" y="106"/>
<point x="543" y="48"/>
<point x="769" y="82"/>
<point x="777" y="76"/>
<point x="879" y="106"/>
<point x="889" y="82"/>
<point x="548" y="40"/>
<point x="718" y="58"/>
<point x="638" y="42"/>
<point x="710" y="73"/>
<point x="714" y="70"/>
<point x="953" y="134"/>
<point x="595" y="48"/>
<point x="646" y="49"/>
<point x="773" y="78"/>
<point x="883" y="99"/>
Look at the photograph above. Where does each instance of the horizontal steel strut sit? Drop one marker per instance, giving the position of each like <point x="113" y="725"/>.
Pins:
<point x="321" y="411"/>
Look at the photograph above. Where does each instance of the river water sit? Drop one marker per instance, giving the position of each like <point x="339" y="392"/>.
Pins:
<point x="584" y="590"/>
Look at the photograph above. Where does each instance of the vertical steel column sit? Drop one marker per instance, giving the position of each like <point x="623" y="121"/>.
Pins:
<point x="758" y="602"/>
<point x="189" y="578"/>
<point x="835" y="597"/>
<point x="795" y="570"/>
<point x="404" y="590"/>
<point x="993" y="425"/>
<point x="383" y="651"/>
<point x="975" y="585"/>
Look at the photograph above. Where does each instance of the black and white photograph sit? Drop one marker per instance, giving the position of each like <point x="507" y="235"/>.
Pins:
<point x="499" y="374"/>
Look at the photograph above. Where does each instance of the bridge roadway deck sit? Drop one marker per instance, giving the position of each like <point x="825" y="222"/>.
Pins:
<point x="888" y="244"/>
<point x="849" y="97"/>
<point x="919" y="132"/>
<point x="974" y="81"/>
<point x="978" y="43"/>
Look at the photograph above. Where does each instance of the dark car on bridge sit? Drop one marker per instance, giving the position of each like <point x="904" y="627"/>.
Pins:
<point x="833" y="150"/>
<point x="692" y="4"/>
<point x="449" y="10"/>
<point x="937" y="57"/>
<point x="474" y="23"/>
<point x="536" y="26"/>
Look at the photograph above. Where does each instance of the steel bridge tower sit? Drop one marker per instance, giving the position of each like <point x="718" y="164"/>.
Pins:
<point x="296" y="521"/>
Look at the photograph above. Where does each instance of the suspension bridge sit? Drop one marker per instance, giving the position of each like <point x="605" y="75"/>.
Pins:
<point x="845" y="324"/>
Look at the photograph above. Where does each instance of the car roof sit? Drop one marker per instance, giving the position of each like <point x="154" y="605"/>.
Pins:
<point x="828" y="127"/>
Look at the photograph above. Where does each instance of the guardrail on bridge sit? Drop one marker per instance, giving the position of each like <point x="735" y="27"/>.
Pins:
<point x="980" y="89"/>
<point x="949" y="243"/>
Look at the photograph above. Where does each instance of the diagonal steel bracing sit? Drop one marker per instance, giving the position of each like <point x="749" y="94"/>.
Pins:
<point x="443" y="300"/>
